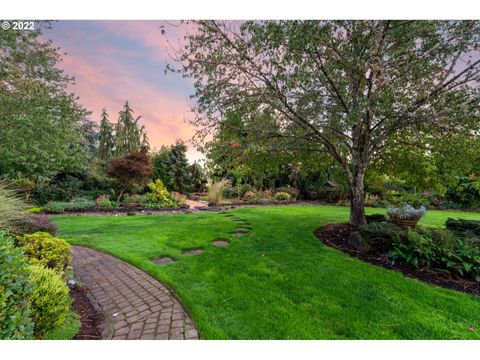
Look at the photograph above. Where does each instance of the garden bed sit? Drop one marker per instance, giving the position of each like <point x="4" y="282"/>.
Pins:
<point x="119" y="210"/>
<point x="90" y="318"/>
<point x="336" y="235"/>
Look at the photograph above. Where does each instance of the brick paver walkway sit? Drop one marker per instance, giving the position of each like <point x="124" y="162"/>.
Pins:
<point x="136" y="306"/>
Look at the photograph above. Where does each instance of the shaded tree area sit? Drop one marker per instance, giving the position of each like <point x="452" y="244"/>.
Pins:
<point x="344" y="88"/>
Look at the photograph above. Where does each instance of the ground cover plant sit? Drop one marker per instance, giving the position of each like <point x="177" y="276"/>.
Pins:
<point x="278" y="281"/>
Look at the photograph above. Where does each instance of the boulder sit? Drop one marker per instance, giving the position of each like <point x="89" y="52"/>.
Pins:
<point x="357" y="241"/>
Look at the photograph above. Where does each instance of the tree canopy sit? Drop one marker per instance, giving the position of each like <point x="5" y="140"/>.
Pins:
<point x="42" y="128"/>
<point x="345" y="88"/>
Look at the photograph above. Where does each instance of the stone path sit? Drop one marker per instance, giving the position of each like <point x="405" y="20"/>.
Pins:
<point x="136" y="306"/>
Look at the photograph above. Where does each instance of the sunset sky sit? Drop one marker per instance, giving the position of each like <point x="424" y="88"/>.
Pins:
<point x="114" y="61"/>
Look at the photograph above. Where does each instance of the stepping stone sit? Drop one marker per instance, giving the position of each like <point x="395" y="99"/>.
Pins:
<point x="239" y="234"/>
<point x="239" y="220"/>
<point x="192" y="252"/>
<point x="221" y="243"/>
<point x="243" y="229"/>
<point x="163" y="260"/>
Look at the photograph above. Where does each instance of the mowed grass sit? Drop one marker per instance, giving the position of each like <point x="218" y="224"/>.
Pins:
<point x="279" y="281"/>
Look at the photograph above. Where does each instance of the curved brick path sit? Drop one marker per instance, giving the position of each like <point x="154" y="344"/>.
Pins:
<point x="136" y="306"/>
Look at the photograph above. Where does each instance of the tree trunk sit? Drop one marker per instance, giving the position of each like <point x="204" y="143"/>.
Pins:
<point x="357" y="199"/>
<point x="120" y="196"/>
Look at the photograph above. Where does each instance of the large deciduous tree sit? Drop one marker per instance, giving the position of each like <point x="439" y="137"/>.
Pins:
<point x="42" y="128"/>
<point x="341" y="87"/>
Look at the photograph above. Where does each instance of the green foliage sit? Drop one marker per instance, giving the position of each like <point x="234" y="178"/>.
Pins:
<point x="282" y="196"/>
<point x="439" y="249"/>
<point x="104" y="202"/>
<point x="326" y="106"/>
<point x="55" y="207"/>
<point x="171" y="166"/>
<point x="216" y="189"/>
<point x="289" y="190"/>
<point x="11" y="206"/>
<point x="380" y="236"/>
<point x="135" y="199"/>
<point x="15" y="322"/>
<point x="375" y="218"/>
<point x="129" y="135"/>
<point x="464" y="191"/>
<point x="158" y="192"/>
<point x="40" y="119"/>
<point x="44" y="249"/>
<point x="198" y="178"/>
<point x="106" y="139"/>
<point x="462" y="226"/>
<point x="49" y="300"/>
<point x="34" y="210"/>
<point x="58" y="207"/>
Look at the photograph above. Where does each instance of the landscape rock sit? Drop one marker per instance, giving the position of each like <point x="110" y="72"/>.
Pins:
<point x="357" y="241"/>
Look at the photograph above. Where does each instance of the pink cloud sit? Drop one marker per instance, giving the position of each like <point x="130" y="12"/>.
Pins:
<point x="105" y="81"/>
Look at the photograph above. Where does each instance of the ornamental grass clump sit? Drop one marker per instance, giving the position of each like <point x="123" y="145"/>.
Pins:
<point x="11" y="206"/>
<point x="216" y="189"/>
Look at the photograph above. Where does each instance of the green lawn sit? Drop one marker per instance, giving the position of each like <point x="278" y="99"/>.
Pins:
<point x="279" y="281"/>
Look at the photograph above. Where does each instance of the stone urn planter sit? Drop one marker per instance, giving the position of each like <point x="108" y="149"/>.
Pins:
<point x="404" y="223"/>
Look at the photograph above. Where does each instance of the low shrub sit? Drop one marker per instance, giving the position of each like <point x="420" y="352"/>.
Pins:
<point x="282" y="196"/>
<point x="15" y="288"/>
<point x="293" y="192"/>
<point x="49" y="300"/>
<point x="158" y="192"/>
<point x="380" y="236"/>
<point x="231" y="192"/>
<point x="375" y="218"/>
<point x="439" y="249"/>
<point x="134" y="199"/>
<point x="34" y="210"/>
<point x="462" y="226"/>
<point x="243" y="189"/>
<point x="30" y="223"/>
<point x="250" y="196"/>
<point x="103" y="202"/>
<point x="44" y="249"/>
<point x="58" y="207"/>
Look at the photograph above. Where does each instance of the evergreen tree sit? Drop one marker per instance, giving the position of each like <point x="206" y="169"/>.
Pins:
<point x="179" y="168"/>
<point x="105" y="137"/>
<point x="198" y="178"/>
<point x="128" y="135"/>
<point x="161" y="166"/>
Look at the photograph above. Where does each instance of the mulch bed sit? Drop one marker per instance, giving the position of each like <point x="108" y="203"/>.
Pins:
<point x="336" y="235"/>
<point x="90" y="318"/>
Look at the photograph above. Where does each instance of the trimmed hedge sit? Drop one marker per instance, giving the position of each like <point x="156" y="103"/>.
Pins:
<point x="49" y="300"/>
<point x="44" y="249"/>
